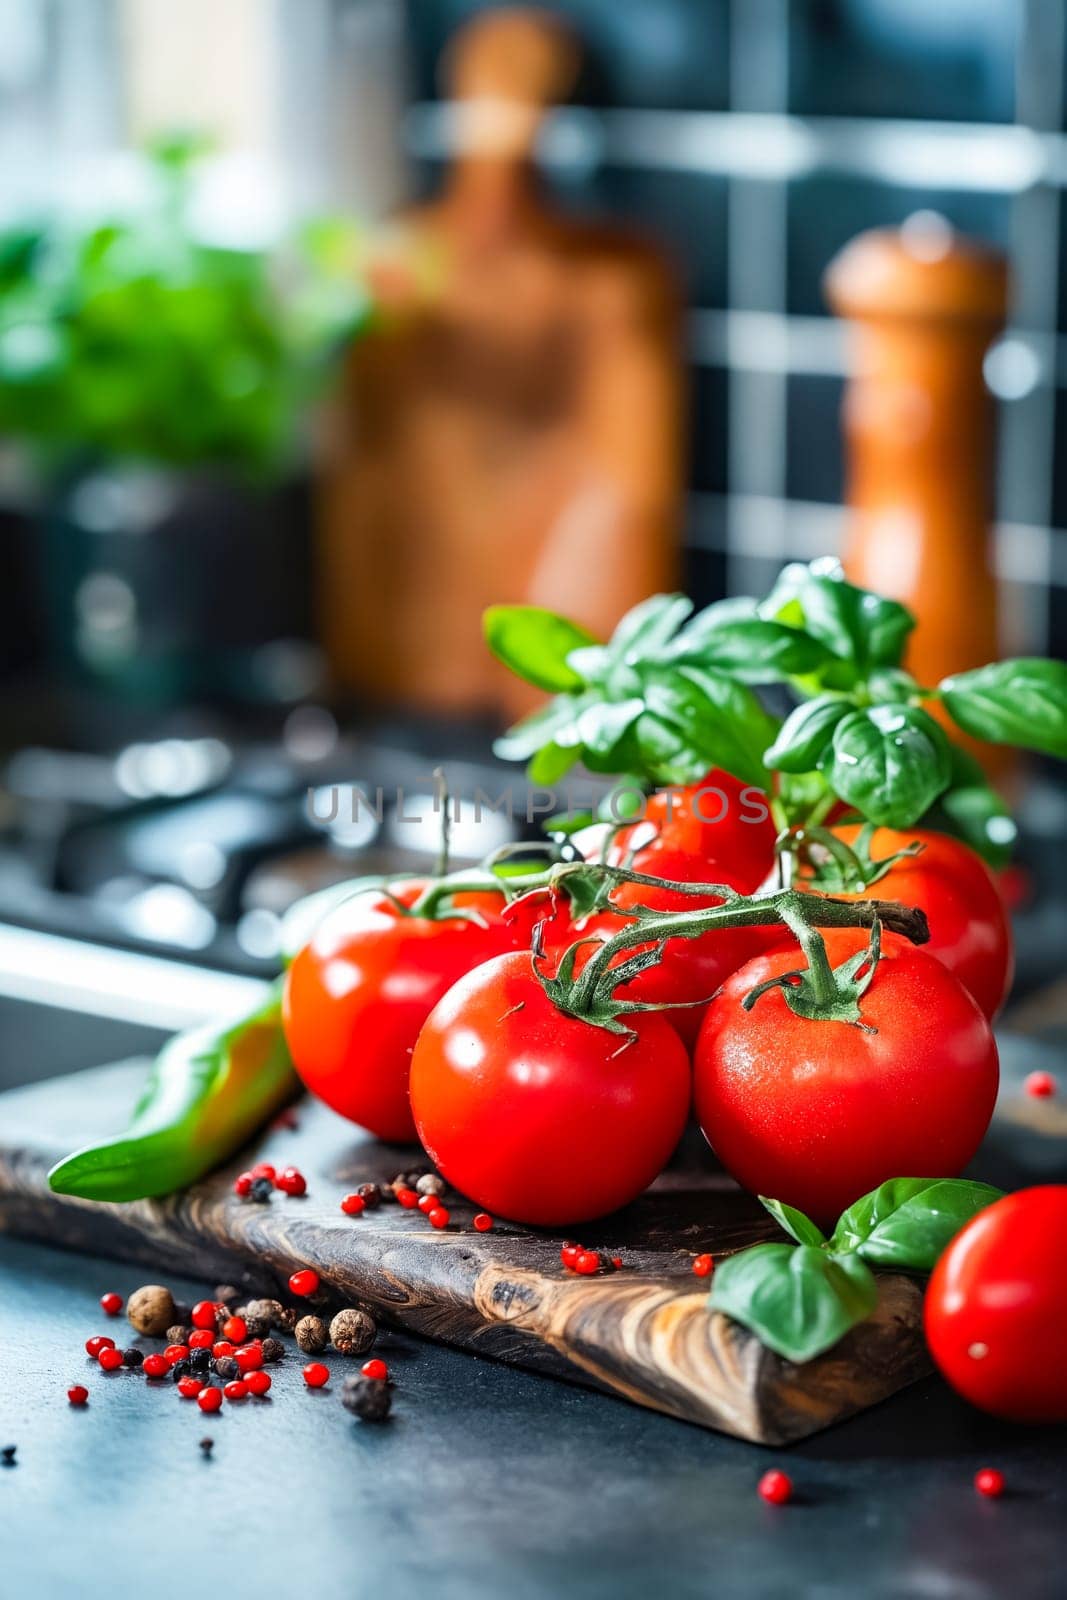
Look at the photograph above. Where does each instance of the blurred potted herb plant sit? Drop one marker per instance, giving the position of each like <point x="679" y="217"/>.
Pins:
<point x="159" y="384"/>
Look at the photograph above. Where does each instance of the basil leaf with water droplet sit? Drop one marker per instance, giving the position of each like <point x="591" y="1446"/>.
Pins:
<point x="890" y="762"/>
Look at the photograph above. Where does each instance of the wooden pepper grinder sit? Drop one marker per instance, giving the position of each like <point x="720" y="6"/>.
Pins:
<point x="518" y="437"/>
<point x="925" y="304"/>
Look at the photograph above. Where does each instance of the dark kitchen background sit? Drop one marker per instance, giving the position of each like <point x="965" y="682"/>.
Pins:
<point x="171" y="488"/>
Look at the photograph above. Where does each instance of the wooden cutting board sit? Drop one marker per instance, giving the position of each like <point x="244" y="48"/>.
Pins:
<point x="643" y="1333"/>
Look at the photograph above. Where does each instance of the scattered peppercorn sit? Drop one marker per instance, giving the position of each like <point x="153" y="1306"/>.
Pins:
<point x="776" y="1487"/>
<point x="203" y="1316"/>
<point x="438" y="1217"/>
<point x="110" y="1358"/>
<point x="273" y="1350"/>
<point x="292" y="1182"/>
<point x="98" y="1342"/>
<point x="202" y="1339"/>
<point x="310" y="1335"/>
<point x="178" y="1333"/>
<point x="1040" y="1084"/>
<point x="288" y="1318"/>
<point x="237" y="1390"/>
<point x="428" y="1203"/>
<point x="316" y="1375"/>
<point x="304" y="1283"/>
<point x="353" y="1205"/>
<point x="370" y="1194"/>
<point x="190" y="1387"/>
<point x="209" y="1399"/>
<point x="375" y="1368"/>
<point x="226" y="1367"/>
<point x="200" y="1360"/>
<point x="587" y="1262"/>
<point x="7" y="1454"/>
<point x="703" y="1266"/>
<point x="235" y="1329"/>
<point x="367" y="1398"/>
<point x="352" y="1332"/>
<point x="151" y="1309"/>
<point x="258" y="1328"/>
<point x="263" y="1169"/>
<point x="77" y="1394"/>
<point x="227" y="1294"/>
<point x="180" y="1370"/>
<point x="268" y="1311"/>
<point x="111" y="1304"/>
<point x="483" y="1222"/>
<point x="430" y="1183"/>
<point x="133" y="1357"/>
<point x="260" y="1190"/>
<point x="989" y="1482"/>
<point x="223" y="1347"/>
<point x="258" y="1383"/>
<point x="206" y="1446"/>
<point x="569" y="1254"/>
<point x="407" y="1198"/>
<point x="242" y="1185"/>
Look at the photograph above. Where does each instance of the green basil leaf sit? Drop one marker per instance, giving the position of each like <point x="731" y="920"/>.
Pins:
<point x="891" y="684"/>
<point x="907" y="1222"/>
<point x="859" y="627"/>
<point x="723" y="722"/>
<point x="666" y="752"/>
<point x="890" y="762"/>
<point x="802" y="1229"/>
<point x="555" y="723"/>
<point x="690" y="641"/>
<point x="647" y="627"/>
<point x="1021" y="702"/>
<point x="550" y="763"/>
<point x="796" y="1299"/>
<point x="973" y="811"/>
<point x="757" y="651"/>
<point x="535" y="644"/>
<point x="602" y="726"/>
<point x="806" y="733"/>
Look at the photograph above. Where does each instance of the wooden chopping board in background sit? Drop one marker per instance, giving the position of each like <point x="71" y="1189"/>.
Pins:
<point x="643" y="1333"/>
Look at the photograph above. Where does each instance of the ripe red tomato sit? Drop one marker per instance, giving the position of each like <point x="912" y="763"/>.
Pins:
<point x="536" y="1115"/>
<point x="817" y="1113"/>
<point x="996" y="1308"/>
<point x="358" y="993"/>
<point x="717" y="831"/>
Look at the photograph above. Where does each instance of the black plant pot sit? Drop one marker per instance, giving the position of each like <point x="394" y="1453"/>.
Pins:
<point x="164" y="586"/>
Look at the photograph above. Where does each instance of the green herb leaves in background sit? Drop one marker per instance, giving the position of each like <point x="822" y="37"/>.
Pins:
<point x="801" y="1299"/>
<point x="672" y="695"/>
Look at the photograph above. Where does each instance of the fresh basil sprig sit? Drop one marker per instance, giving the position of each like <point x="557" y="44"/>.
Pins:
<point x="801" y="1299"/>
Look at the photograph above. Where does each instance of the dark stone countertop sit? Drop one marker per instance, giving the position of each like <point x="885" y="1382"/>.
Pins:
<point x="487" y="1482"/>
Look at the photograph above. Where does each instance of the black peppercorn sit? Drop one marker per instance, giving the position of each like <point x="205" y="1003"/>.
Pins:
<point x="132" y="1358"/>
<point x="200" y="1360"/>
<point x="370" y="1194"/>
<point x="367" y="1398"/>
<point x="258" y="1327"/>
<point x="273" y="1349"/>
<point x="226" y="1367"/>
<point x="207" y="1445"/>
<point x="180" y="1369"/>
<point x="7" y="1454"/>
<point x="261" y="1190"/>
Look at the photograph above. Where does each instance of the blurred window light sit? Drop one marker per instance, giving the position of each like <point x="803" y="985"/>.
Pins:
<point x="168" y="914"/>
<point x="259" y="933"/>
<point x="1012" y="368"/>
<point x="201" y="864"/>
<point x="310" y="733"/>
<point x="171" y="767"/>
<point x="346" y="813"/>
<point x="927" y="236"/>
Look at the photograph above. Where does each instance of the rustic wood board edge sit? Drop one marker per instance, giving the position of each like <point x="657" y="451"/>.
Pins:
<point x="644" y="1334"/>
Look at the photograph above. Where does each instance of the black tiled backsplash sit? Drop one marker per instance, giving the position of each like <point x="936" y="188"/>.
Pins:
<point x="814" y="460"/>
<point x="709" y="429"/>
<point x="684" y="211"/>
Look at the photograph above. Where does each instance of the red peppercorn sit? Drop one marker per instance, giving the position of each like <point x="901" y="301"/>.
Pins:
<point x="587" y="1262"/>
<point x="1040" y="1084"/>
<point x="374" y="1368"/>
<point x="291" y="1181"/>
<point x="429" y="1202"/>
<point x="315" y="1374"/>
<point x="222" y="1347"/>
<point x="190" y="1387"/>
<point x="304" y="1282"/>
<point x="237" y="1390"/>
<point x="569" y="1254"/>
<point x="234" y="1329"/>
<point x="77" y="1394"/>
<point x="242" y="1184"/>
<point x="202" y="1339"/>
<point x="98" y="1342"/>
<point x="483" y="1222"/>
<point x="155" y="1366"/>
<point x="175" y="1352"/>
<point x="248" y="1357"/>
<point x="438" y="1217"/>
<point x="258" y="1383"/>
<point x="703" y="1266"/>
<point x="110" y="1358"/>
<point x="989" y="1482"/>
<point x="353" y="1204"/>
<point x="616" y="1262"/>
<point x="111" y="1304"/>
<point x="408" y="1198"/>
<point x="776" y="1487"/>
<point x="209" y="1399"/>
<point x="263" y="1169"/>
<point x="204" y="1314"/>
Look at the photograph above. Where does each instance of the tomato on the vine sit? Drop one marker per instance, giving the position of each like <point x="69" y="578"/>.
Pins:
<point x="819" y="1112"/>
<point x="717" y="831"/>
<point x="996" y="1307"/>
<point x="537" y="1115"/>
<point x="360" y="990"/>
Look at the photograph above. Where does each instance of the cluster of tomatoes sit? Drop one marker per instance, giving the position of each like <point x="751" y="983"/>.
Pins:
<point x="439" y="1027"/>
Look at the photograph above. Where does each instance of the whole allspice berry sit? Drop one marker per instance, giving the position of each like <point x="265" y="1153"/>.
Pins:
<point x="151" y="1309"/>
<point x="272" y="1349"/>
<point x="352" y="1332"/>
<point x="311" y="1335"/>
<point x="227" y="1368"/>
<point x="430" y="1183"/>
<point x="369" y="1399"/>
<point x="268" y="1311"/>
<point x="287" y="1318"/>
<point x="177" y="1334"/>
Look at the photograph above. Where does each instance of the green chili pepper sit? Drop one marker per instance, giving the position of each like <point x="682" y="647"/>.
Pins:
<point x="207" y="1093"/>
